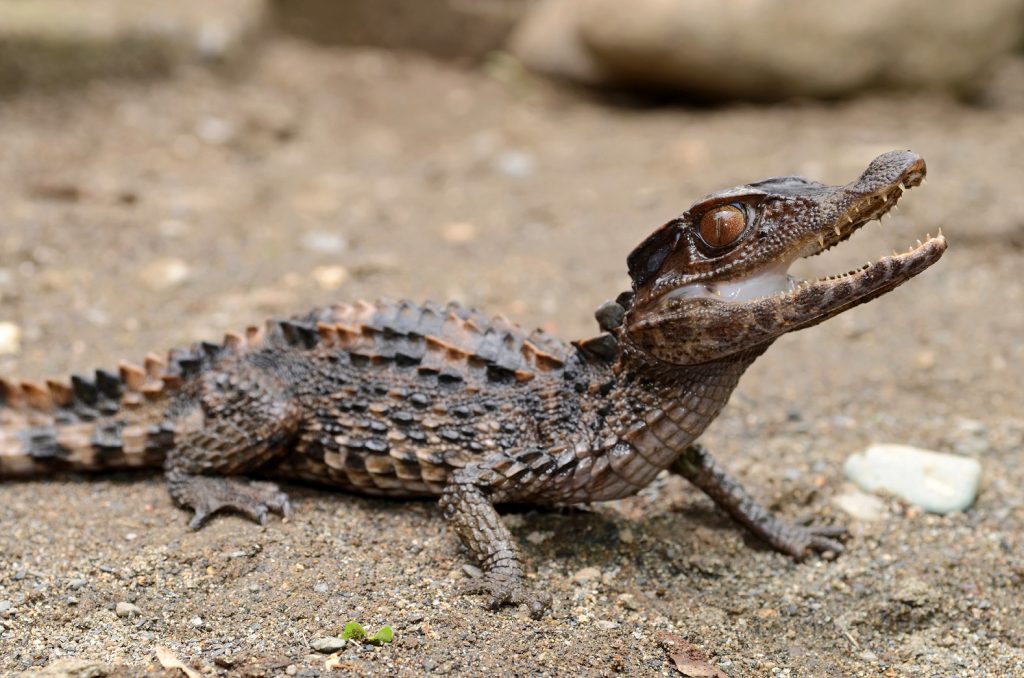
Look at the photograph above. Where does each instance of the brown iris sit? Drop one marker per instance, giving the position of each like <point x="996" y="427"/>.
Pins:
<point x="722" y="225"/>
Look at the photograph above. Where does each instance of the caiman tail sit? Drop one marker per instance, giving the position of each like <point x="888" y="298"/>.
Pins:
<point x="112" y="421"/>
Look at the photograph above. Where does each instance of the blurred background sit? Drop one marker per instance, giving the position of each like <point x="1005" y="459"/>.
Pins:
<point x="172" y="170"/>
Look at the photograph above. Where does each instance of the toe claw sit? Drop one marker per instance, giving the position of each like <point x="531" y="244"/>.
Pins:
<point x="499" y="591"/>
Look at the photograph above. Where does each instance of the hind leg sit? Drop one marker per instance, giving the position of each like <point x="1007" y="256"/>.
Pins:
<point x="232" y="429"/>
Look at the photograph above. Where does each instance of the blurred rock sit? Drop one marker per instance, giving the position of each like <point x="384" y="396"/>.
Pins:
<point x="62" y="42"/>
<point x="548" y="41"/>
<point x="775" y="49"/>
<point x="445" y="28"/>
<point x="939" y="483"/>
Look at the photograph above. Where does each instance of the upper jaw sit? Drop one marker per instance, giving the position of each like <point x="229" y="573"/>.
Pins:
<point x="870" y="197"/>
<point x="862" y="202"/>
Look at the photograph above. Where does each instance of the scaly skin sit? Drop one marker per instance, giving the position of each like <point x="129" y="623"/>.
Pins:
<point x="403" y="400"/>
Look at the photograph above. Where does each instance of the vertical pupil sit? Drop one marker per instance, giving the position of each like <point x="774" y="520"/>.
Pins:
<point x="722" y="226"/>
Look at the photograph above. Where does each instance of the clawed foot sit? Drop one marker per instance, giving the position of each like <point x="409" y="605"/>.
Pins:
<point x="799" y="541"/>
<point x="207" y="495"/>
<point x="500" y="590"/>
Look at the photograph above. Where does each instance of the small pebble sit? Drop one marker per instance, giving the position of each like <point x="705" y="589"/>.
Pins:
<point x="860" y="505"/>
<point x="628" y="601"/>
<point x="321" y="587"/>
<point x="538" y="537"/>
<point x="330" y="278"/>
<point x="10" y="338"/>
<point x="607" y="624"/>
<point x="196" y="622"/>
<point x="513" y="521"/>
<point x="125" y="610"/>
<point x="586" y="574"/>
<point x="971" y="437"/>
<point x="325" y="242"/>
<point x="458" y="232"/>
<point x="5" y="608"/>
<point x="214" y="130"/>
<point x="938" y="483"/>
<point x="327" y="645"/>
<point x="165" y="273"/>
<point x="515" y="164"/>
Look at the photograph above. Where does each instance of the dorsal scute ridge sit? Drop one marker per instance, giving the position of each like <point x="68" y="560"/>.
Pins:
<point x="452" y="335"/>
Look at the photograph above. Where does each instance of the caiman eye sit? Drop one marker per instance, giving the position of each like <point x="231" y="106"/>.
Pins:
<point x="722" y="225"/>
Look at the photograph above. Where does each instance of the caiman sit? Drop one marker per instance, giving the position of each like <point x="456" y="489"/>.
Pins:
<point x="401" y="399"/>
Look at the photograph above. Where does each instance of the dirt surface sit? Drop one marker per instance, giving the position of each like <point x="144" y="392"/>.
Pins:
<point x="135" y="217"/>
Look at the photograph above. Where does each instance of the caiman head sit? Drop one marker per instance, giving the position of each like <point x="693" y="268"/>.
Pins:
<point x="714" y="282"/>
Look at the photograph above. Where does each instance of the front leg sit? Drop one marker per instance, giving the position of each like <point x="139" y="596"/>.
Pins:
<point x="697" y="466"/>
<point x="470" y="511"/>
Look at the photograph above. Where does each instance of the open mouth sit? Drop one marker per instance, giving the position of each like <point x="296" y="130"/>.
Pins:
<point x="774" y="279"/>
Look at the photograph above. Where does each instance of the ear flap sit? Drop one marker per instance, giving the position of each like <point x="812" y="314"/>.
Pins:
<point x="647" y="258"/>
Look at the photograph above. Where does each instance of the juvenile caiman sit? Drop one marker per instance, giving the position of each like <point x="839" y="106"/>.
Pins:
<point x="402" y="399"/>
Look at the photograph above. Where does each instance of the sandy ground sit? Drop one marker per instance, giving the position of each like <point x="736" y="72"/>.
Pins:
<point x="139" y="216"/>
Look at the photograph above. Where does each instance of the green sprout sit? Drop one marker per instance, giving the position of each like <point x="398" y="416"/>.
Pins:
<point x="355" y="631"/>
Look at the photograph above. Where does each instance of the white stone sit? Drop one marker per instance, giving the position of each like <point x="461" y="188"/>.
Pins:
<point x="939" y="483"/>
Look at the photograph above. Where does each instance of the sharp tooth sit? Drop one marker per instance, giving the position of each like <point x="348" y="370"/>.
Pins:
<point x="838" y="232"/>
<point x="940" y="232"/>
<point x="895" y="253"/>
<point x="918" y="243"/>
<point x="821" y="240"/>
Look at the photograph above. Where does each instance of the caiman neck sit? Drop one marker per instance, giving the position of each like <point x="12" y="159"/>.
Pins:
<point x="638" y="366"/>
